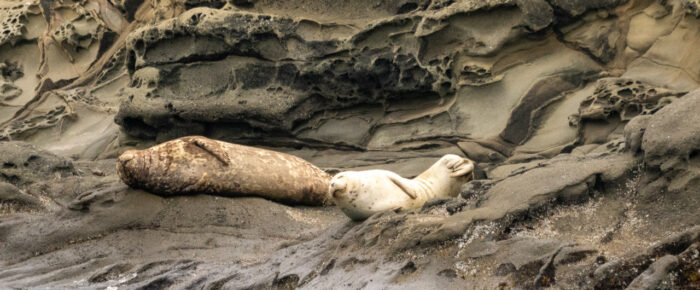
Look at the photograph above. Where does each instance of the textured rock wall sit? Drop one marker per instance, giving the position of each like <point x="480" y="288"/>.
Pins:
<point x="492" y="79"/>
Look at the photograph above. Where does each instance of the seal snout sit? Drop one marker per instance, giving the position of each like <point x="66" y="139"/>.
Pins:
<point x="338" y="186"/>
<point x="128" y="166"/>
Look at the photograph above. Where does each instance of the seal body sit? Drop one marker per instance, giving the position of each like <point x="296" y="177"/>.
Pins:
<point x="195" y="164"/>
<point x="362" y="193"/>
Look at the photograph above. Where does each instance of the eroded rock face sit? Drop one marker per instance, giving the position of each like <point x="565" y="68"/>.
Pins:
<point x="299" y="76"/>
<point x="284" y="74"/>
<point x="672" y="133"/>
<point x="577" y="114"/>
<point x="626" y="98"/>
<point x="614" y="102"/>
<point x="24" y="164"/>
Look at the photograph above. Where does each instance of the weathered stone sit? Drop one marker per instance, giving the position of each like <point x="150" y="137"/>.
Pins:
<point x="355" y="85"/>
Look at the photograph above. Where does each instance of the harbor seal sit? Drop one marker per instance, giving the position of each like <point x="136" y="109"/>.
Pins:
<point x="196" y="164"/>
<point x="362" y="193"/>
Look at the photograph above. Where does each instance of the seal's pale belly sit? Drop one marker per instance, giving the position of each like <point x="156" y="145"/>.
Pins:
<point x="372" y="195"/>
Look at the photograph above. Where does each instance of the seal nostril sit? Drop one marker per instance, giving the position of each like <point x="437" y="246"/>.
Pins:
<point x="338" y="192"/>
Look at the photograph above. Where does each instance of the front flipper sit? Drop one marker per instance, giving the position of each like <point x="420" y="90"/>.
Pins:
<point x="213" y="148"/>
<point x="403" y="184"/>
<point x="463" y="167"/>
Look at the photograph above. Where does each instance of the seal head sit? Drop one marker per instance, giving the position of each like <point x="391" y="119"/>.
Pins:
<point x="131" y="166"/>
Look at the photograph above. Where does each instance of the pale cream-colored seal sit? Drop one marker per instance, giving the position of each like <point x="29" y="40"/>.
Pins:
<point x="195" y="164"/>
<point x="362" y="193"/>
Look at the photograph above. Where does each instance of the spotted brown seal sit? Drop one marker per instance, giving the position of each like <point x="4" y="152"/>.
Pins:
<point x="196" y="164"/>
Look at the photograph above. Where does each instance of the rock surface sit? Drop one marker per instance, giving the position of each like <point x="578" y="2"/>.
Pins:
<point x="582" y="116"/>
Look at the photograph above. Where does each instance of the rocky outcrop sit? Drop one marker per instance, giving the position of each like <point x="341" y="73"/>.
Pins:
<point x="303" y="79"/>
<point x="614" y="102"/>
<point x="24" y="164"/>
<point x="581" y="116"/>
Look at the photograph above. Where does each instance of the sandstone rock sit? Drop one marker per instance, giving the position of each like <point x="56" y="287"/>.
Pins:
<point x="24" y="164"/>
<point x="672" y="132"/>
<point x="606" y="199"/>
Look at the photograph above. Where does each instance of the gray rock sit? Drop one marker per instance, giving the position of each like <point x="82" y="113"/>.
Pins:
<point x="652" y="277"/>
<point x="22" y="164"/>
<point x="634" y="131"/>
<point x="672" y="133"/>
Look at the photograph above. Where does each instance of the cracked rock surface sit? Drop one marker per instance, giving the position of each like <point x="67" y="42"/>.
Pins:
<point x="581" y="116"/>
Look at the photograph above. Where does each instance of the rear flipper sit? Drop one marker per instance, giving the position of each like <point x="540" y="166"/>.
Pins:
<point x="460" y="167"/>
<point x="403" y="184"/>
